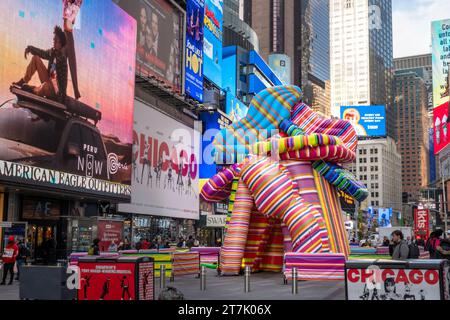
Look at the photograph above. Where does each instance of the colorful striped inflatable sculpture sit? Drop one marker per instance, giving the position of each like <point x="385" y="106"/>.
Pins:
<point x="283" y="182"/>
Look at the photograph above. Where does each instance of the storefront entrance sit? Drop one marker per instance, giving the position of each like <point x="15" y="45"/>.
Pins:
<point x="41" y="239"/>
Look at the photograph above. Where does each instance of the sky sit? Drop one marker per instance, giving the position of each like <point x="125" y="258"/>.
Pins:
<point x="412" y="24"/>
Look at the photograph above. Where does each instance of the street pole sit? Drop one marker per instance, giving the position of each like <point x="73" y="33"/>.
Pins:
<point x="444" y="197"/>
<point x="356" y="219"/>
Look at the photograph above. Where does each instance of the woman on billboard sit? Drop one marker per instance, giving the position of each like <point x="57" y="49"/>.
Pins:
<point x="70" y="12"/>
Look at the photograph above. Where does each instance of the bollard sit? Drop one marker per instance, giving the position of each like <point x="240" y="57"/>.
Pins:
<point x="294" y="281"/>
<point x="203" y="279"/>
<point x="162" y="276"/>
<point x="247" y="279"/>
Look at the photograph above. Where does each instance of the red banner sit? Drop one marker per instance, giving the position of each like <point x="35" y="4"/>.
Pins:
<point x="109" y="231"/>
<point x="421" y="222"/>
<point x="440" y="125"/>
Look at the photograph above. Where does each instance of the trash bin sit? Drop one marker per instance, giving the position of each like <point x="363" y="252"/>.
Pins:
<point x="397" y="280"/>
<point x="44" y="283"/>
<point x="122" y="278"/>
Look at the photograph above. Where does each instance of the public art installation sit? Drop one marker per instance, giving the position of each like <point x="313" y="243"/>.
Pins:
<point x="283" y="182"/>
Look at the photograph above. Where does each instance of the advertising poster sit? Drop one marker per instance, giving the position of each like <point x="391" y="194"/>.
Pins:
<point x="146" y="285"/>
<point x="235" y="108"/>
<point x="107" y="281"/>
<point x="194" y="49"/>
<point x="440" y="127"/>
<point x="165" y="167"/>
<point x="66" y="95"/>
<point x="109" y="232"/>
<point x="440" y="43"/>
<point x="281" y="65"/>
<point x="159" y="39"/>
<point x="421" y="222"/>
<point x="384" y="217"/>
<point x="212" y="41"/>
<point x="393" y="284"/>
<point x="368" y="121"/>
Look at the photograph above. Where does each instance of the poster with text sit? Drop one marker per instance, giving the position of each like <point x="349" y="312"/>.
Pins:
<point x="440" y="126"/>
<point x="393" y="284"/>
<point x="109" y="232"/>
<point x="165" y="167"/>
<point x="67" y="73"/>
<point x="212" y="42"/>
<point x="368" y="121"/>
<point x="159" y="39"/>
<point x="440" y="46"/>
<point x="194" y="49"/>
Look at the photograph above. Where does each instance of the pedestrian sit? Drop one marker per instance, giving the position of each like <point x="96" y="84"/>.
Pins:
<point x="9" y="259"/>
<point x="24" y="253"/>
<point x="401" y="248"/>
<point x="385" y="242"/>
<point x="138" y="245"/>
<point x="171" y="293"/>
<point x="180" y="243"/>
<point x="443" y="249"/>
<point x="190" y="242"/>
<point x="408" y="240"/>
<point x="167" y="245"/>
<point x="113" y="247"/>
<point x="433" y="242"/>
<point x="145" y="244"/>
<point x="94" y="250"/>
<point x="196" y="243"/>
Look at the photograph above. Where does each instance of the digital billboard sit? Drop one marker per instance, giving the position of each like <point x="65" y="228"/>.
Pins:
<point x="440" y="127"/>
<point x="440" y="41"/>
<point x="194" y="49"/>
<point x="281" y="65"/>
<point x="368" y="121"/>
<point x="235" y="108"/>
<point x="66" y="95"/>
<point x="165" y="166"/>
<point x="159" y="39"/>
<point x="212" y="41"/>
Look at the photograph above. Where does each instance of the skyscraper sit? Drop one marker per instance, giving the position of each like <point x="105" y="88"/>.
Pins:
<point x="361" y="55"/>
<point x="298" y="29"/>
<point x="412" y="127"/>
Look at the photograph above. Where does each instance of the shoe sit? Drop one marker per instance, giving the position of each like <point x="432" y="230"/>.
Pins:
<point x="10" y="283"/>
<point x="19" y="83"/>
<point x="2" y="284"/>
<point x="28" y="88"/>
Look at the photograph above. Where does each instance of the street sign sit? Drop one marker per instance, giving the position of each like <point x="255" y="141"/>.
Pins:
<point x="216" y="221"/>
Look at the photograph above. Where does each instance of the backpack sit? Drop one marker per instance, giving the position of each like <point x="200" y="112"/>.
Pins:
<point x="414" y="251"/>
<point x="445" y="244"/>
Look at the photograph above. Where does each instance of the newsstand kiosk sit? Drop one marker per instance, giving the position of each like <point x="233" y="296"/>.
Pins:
<point x="123" y="278"/>
<point x="397" y="280"/>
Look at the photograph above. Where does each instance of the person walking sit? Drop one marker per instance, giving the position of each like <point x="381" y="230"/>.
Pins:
<point x="24" y="253"/>
<point x="401" y="248"/>
<point x="190" y="242"/>
<point x="9" y="259"/>
<point x="94" y="250"/>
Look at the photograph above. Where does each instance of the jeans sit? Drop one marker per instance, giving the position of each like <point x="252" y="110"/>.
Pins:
<point x="8" y="267"/>
<point x="20" y="263"/>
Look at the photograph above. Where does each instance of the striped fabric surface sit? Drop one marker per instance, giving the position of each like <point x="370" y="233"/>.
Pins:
<point x="272" y="255"/>
<point x="185" y="263"/>
<point x="276" y="195"/>
<point x="310" y="122"/>
<point x="160" y="259"/>
<point x="382" y="250"/>
<point x="208" y="255"/>
<point x="231" y="200"/>
<point x="331" y="153"/>
<point x="317" y="267"/>
<point x="218" y="187"/>
<point x="266" y="111"/>
<point x="233" y="247"/>
<point x="331" y="209"/>
<point x="360" y="250"/>
<point x="257" y="239"/>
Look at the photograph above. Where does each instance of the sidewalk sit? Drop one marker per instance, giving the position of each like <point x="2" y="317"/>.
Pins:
<point x="263" y="286"/>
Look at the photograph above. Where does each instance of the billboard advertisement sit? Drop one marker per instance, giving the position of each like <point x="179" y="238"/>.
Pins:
<point x="212" y="41"/>
<point x="440" y="41"/>
<point x="368" y="121"/>
<point x="384" y="217"/>
<point x="440" y="127"/>
<point x="393" y="284"/>
<point x="421" y="222"/>
<point x="194" y="49"/>
<point x="165" y="166"/>
<point x="159" y="40"/>
<point x="109" y="231"/>
<point x="281" y="65"/>
<point x="66" y="95"/>
<point x="235" y="108"/>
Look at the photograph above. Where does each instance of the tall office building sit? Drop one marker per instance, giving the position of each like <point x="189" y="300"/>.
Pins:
<point x="361" y="55"/>
<point x="412" y="126"/>
<point x="298" y="29"/>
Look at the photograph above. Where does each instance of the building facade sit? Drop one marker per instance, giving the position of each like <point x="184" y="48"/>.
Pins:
<point x="361" y="55"/>
<point x="412" y="127"/>
<point x="298" y="29"/>
<point x="378" y="166"/>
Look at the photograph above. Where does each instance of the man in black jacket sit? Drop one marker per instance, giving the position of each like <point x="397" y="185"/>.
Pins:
<point x="54" y="77"/>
